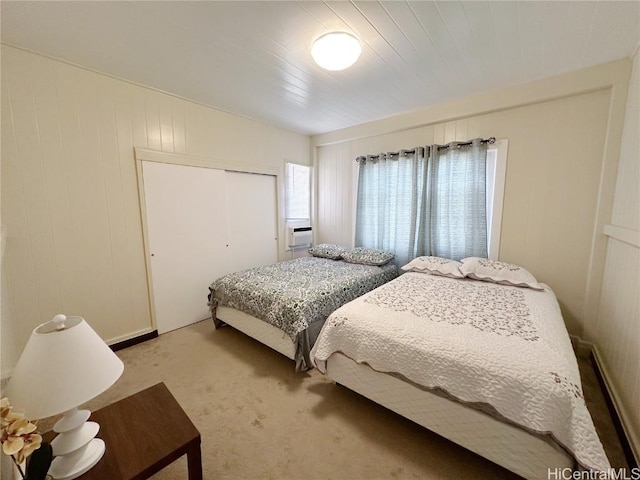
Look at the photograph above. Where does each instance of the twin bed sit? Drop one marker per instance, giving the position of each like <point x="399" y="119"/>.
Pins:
<point x="285" y="305"/>
<point x="475" y="351"/>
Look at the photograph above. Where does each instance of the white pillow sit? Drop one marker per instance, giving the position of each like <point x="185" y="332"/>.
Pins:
<point x="435" y="266"/>
<point x="498" y="272"/>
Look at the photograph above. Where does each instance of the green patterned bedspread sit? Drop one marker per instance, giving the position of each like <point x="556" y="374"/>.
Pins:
<point x="292" y="295"/>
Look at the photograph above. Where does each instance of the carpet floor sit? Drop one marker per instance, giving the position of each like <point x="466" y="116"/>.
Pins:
<point x="259" y="419"/>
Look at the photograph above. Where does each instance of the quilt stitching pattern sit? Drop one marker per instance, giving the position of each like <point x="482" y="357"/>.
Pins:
<point x="497" y="310"/>
<point x="524" y="366"/>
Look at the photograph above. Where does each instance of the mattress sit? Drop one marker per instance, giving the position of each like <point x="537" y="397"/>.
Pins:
<point x="296" y="296"/>
<point x="500" y="349"/>
<point x="530" y="456"/>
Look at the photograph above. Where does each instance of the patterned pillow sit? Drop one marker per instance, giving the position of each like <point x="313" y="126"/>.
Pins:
<point x="435" y="266"/>
<point x="327" y="250"/>
<point x="498" y="272"/>
<point x="367" y="256"/>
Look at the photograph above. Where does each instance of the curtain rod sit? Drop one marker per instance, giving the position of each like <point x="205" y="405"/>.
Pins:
<point x="489" y="140"/>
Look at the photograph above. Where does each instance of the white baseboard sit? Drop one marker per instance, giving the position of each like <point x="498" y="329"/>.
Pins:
<point x="631" y="436"/>
<point x="581" y="347"/>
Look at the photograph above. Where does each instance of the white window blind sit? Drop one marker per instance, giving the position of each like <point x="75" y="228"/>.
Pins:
<point x="297" y="192"/>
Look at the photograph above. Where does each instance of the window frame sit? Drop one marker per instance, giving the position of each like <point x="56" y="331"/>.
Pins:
<point x="495" y="210"/>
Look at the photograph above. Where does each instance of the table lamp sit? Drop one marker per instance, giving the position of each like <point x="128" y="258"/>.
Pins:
<point x="65" y="364"/>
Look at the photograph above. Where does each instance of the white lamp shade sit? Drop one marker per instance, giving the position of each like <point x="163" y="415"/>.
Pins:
<point x="336" y="50"/>
<point x="62" y="369"/>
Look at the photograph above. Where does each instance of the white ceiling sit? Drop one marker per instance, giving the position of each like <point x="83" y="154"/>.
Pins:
<point x="253" y="59"/>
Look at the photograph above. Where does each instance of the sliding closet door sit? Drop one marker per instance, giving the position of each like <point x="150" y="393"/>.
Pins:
<point x="203" y="223"/>
<point x="187" y="237"/>
<point x="251" y="219"/>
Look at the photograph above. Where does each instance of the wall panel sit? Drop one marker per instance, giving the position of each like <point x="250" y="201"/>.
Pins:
<point x="617" y="330"/>
<point x="551" y="187"/>
<point x="70" y="208"/>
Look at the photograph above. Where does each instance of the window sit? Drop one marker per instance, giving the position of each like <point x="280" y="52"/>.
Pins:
<point x="297" y="192"/>
<point x="442" y="202"/>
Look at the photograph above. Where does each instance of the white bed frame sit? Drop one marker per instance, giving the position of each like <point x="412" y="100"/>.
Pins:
<point x="260" y="330"/>
<point x="513" y="448"/>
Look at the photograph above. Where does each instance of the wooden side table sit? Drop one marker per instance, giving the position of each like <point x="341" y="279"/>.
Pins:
<point x="143" y="434"/>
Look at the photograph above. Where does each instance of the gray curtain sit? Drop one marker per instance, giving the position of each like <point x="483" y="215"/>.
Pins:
<point x="431" y="201"/>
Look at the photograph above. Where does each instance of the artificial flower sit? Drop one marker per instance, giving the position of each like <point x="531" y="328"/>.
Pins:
<point x="7" y="415"/>
<point x="18" y="436"/>
<point x="12" y="445"/>
<point x="31" y="443"/>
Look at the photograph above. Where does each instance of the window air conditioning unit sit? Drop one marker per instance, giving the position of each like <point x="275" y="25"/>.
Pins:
<point x="300" y="236"/>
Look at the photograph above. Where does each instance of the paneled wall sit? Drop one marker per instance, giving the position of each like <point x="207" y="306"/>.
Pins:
<point x="617" y="330"/>
<point x="336" y="195"/>
<point x="560" y="134"/>
<point x="72" y="234"/>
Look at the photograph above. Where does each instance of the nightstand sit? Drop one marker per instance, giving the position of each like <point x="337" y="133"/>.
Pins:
<point x="143" y="434"/>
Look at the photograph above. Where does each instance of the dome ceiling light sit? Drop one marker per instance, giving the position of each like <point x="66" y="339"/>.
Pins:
<point x="336" y="50"/>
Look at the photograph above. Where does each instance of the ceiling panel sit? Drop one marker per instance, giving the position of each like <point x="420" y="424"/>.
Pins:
<point x="532" y="40"/>
<point x="555" y="17"/>
<point x="505" y="21"/>
<point x="253" y="58"/>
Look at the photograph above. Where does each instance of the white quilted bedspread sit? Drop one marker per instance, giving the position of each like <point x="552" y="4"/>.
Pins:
<point x="495" y="345"/>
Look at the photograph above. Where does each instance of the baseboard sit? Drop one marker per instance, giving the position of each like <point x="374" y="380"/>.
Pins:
<point x="130" y="342"/>
<point x="119" y="345"/>
<point x="580" y="347"/>
<point x="621" y="423"/>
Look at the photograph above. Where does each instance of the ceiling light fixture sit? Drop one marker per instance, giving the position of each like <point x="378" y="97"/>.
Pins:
<point x="336" y="50"/>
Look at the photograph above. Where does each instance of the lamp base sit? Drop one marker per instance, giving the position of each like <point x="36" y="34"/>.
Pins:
<point x="71" y="466"/>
